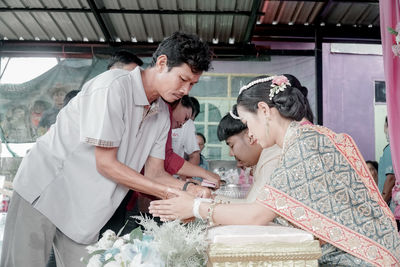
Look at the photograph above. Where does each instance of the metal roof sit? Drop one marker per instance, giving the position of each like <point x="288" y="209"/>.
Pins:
<point x="144" y="23"/>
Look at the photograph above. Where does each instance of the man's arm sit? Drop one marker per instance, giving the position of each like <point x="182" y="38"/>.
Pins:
<point x="154" y="169"/>
<point x="191" y="170"/>
<point x="108" y="165"/>
<point x="388" y="186"/>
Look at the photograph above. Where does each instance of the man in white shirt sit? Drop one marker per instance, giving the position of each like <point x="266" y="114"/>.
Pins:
<point x="76" y="175"/>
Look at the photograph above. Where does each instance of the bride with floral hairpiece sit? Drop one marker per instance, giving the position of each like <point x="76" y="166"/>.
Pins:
<point x="322" y="184"/>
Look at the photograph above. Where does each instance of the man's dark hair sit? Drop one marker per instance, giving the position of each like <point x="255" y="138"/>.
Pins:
<point x="69" y="96"/>
<point x="196" y="106"/>
<point x="123" y="57"/>
<point x="187" y="102"/>
<point x="228" y="126"/>
<point x="202" y="136"/>
<point x="183" y="48"/>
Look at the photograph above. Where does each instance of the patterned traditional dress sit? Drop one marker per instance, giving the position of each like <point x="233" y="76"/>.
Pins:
<point x="323" y="186"/>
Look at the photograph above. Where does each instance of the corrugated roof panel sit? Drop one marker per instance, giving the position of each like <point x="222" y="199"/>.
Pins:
<point x="170" y="24"/>
<point x="74" y="3"/>
<point x="239" y="27"/>
<point x="206" y="27"/>
<point x="371" y="17"/>
<point x="51" y="4"/>
<point x="188" y="23"/>
<point x="168" y="4"/>
<point x="337" y="12"/>
<point x="153" y="27"/>
<point x="226" y="5"/>
<point x="17" y="27"/>
<point x="14" y="3"/>
<point x="354" y="13"/>
<point x="85" y="26"/>
<point x="32" y="25"/>
<point x="33" y="4"/>
<point x="305" y="12"/>
<point x="136" y="27"/>
<point x="286" y="13"/>
<point x="317" y="7"/>
<point x="110" y="4"/>
<point x="207" y="5"/>
<point x="6" y="30"/>
<point x="52" y="28"/>
<point x="67" y="25"/>
<point x="244" y="5"/>
<point x="187" y="4"/>
<point x="148" y="4"/>
<point x="223" y="28"/>
<point x="117" y="26"/>
<point x="96" y="27"/>
<point x="270" y="9"/>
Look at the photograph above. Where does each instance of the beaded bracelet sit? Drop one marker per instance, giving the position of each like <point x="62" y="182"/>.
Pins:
<point x="210" y="212"/>
<point x="196" y="206"/>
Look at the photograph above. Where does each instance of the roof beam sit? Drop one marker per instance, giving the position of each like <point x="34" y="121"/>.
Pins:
<point x="130" y="11"/>
<point x="252" y="20"/>
<point x="328" y="33"/>
<point x="100" y="20"/>
<point x="338" y="1"/>
<point x="79" y="50"/>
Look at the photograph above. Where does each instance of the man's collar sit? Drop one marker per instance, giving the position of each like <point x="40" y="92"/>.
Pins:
<point x="140" y="98"/>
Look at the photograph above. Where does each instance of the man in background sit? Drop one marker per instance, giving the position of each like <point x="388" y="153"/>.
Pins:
<point x="123" y="59"/>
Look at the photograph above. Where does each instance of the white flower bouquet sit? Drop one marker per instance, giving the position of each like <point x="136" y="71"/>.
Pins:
<point x="171" y="244"/>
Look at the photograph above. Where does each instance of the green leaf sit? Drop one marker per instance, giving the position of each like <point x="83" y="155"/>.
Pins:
<point x="120" y="231"/>
<point x="86" y="259"/>
<point x="392" y="31"/>
<point x="107" y="261"/>
<point x="136" y="234"/>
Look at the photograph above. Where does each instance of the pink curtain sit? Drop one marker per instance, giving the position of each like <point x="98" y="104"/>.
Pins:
<point x="390" y="17"/>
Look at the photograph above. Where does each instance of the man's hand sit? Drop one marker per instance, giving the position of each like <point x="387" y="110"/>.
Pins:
<point x="199" y="191"/>
<point x="213" y="177"/>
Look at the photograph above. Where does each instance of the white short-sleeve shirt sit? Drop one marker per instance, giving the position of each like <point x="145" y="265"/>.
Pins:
<point x="184" y="139"/>
<point x="59" y="177"/>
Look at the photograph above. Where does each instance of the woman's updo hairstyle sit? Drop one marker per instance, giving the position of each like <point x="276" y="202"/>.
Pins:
<point x="290" y="102"/>
<point x="296" y="83"/>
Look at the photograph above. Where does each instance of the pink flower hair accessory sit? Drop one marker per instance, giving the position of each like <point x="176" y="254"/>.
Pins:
<point x="278" y="84"/>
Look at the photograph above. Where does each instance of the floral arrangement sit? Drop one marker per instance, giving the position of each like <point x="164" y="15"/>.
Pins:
<point x="171" y="244"/>
<point x="396" y="46"/>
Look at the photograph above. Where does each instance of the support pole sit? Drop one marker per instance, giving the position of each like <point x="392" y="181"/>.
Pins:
<point x="318" y="76"/>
